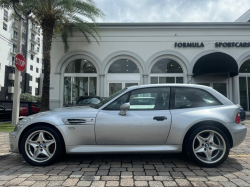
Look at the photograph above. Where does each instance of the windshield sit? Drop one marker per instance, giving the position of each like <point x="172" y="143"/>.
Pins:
<point x="108" y="99"/>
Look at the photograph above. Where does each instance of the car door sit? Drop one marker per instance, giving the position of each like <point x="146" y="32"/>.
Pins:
<point x="147" y="122"/>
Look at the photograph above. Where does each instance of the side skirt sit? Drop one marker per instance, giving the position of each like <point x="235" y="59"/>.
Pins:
<point x="123" y="149"/>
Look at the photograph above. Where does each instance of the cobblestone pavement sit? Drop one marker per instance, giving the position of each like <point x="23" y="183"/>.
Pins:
<point x="125" y="170"/>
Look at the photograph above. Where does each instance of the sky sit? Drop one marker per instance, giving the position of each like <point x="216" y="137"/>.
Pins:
<point x="172" y="10"/>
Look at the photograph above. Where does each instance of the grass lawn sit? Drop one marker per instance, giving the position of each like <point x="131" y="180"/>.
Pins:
<point x="6" y="127"/>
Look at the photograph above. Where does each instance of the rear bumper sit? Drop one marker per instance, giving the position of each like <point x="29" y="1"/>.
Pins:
<point x="238" y="132"/>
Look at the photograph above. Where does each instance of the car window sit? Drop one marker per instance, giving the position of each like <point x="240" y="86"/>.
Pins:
<point x="1" y="108"/>
<point x="36" y="105"/>
<point x="115" y="105"/>
<point x="191" y="98"/>
<point x="103" y="102"/>
<point x="23" y="104"/>
<point x="150" y="99"/>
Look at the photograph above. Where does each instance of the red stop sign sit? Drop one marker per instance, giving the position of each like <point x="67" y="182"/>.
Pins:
<point x="20" y="62"/>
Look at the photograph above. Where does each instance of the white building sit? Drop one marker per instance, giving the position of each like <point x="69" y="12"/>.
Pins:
<point x="31" y="41"/>
<point x="212" y="54"/>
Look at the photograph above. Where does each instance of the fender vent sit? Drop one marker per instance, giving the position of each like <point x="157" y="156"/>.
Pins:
<point x="74" y="121"/>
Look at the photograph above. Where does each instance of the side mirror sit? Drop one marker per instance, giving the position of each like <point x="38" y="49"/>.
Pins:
<point x="124" y="108"/>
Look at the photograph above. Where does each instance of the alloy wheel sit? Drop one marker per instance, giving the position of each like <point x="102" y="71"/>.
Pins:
<point x="40" y="146"/>
<point x="209" y="146"/>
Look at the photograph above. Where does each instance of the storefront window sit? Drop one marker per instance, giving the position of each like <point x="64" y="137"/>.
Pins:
<point x="179" y="79"/>
<point x="79" y="87"/>
<point x="78" y="82"/>
<point x="243" y="92"/>
<point x="166" y="66"/>
<point x="166" y="71"/>
<point x="80" y="66"/>
<point x="67" y="90"/>
<point x="244" y="83"/>
<point x="165" y="80"/>
<point x="123" y="66"/>
<point x="92" y="86"/>
<point x="245" y="67"/>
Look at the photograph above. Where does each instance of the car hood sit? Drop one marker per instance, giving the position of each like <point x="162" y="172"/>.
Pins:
<point x="55" y="116"/>
<point x="75" y="108"/>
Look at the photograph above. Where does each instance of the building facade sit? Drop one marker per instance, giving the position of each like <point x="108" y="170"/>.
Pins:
<point x="212" y="54"/>
<point x="31" y="50"/>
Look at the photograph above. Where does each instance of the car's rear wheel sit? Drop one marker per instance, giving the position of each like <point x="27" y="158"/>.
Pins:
<point x="41" y="145"/>
<point x="208" y="146"/>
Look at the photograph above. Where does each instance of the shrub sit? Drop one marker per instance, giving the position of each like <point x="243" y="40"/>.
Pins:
<point x="26" y="97"/>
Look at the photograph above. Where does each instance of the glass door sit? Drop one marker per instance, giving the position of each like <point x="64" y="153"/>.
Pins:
<point x="79" y="86"/>
<point x="244" y="92"/>
<point x="221" y="87"/>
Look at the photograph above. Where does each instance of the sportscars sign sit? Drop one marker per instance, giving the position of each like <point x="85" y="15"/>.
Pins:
<point x="20" y="62"/>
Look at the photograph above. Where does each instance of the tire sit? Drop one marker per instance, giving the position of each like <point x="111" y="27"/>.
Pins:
<point x="41" y="146"/>
<point x="206" y="151"/>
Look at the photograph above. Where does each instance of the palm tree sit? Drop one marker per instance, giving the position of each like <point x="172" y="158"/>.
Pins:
<point x="59" y="17"/>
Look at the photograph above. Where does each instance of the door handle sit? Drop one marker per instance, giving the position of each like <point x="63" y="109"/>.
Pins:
<point x="160" y="118"/>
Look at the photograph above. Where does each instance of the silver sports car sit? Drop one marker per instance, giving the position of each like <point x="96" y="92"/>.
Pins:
<point x="167" y="118"/>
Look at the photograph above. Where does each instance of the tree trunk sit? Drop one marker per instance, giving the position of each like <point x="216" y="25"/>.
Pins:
<point x="47" y="27"/>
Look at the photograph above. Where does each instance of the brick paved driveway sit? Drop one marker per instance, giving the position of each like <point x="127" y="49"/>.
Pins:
<point x="125" y="170"/>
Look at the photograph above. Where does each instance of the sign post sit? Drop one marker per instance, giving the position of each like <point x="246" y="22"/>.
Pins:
<point x="20" y="66"/>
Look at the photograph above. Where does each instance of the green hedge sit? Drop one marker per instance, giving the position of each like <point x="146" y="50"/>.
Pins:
<point x="26" y="97"/>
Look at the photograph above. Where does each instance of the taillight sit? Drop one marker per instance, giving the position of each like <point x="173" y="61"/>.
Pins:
<point x="237" y="119"/>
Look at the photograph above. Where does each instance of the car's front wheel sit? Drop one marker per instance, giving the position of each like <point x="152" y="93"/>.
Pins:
<point x="41" y="145"/>
<point x="208" y="146"/>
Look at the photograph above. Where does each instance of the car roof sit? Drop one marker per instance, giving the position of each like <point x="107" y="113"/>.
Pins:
<point x="171" y="85"/>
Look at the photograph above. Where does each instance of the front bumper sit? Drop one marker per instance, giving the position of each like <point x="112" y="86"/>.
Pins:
<point x="13" y="139"/>
<point x="238" y="132"/>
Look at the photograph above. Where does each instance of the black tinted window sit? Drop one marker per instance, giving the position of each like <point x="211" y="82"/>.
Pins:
<point x="191" y="98"/>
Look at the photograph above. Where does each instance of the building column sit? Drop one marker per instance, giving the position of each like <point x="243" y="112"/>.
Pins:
<point x="145" y="79"/>
<point x="236" y="90"/>
<point x="190" y="79"/>
<point x="102" y="85"/>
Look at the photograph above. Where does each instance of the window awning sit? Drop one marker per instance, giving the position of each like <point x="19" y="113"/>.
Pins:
<point x="216" y="62"/>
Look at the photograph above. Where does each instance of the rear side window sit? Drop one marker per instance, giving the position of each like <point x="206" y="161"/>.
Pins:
<point x="191" y="98"/>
